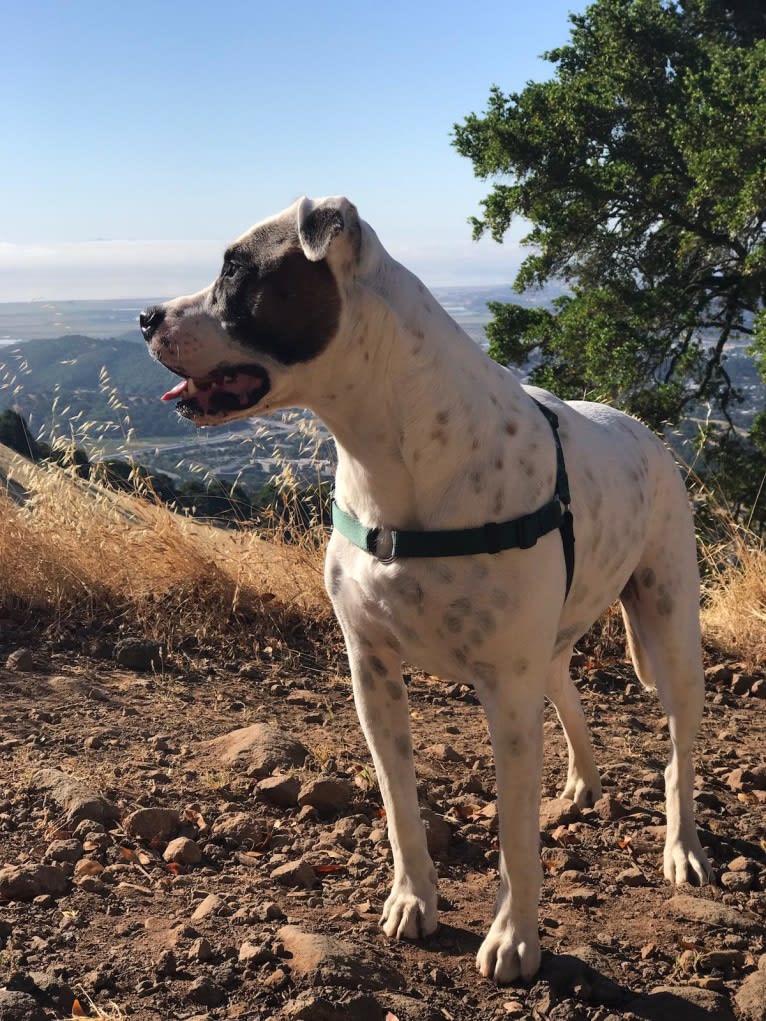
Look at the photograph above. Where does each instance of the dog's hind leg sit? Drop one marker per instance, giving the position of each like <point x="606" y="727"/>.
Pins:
<point x="661" y="603"/>
<point x="583" y="784"/>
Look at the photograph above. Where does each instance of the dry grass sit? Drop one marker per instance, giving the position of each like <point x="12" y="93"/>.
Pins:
<point x="78" y="554"/>
<point x="734" y="594"/>
<point x="74" y="550"/>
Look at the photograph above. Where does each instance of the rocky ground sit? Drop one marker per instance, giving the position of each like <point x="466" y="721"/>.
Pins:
<point x="193" y="841"/>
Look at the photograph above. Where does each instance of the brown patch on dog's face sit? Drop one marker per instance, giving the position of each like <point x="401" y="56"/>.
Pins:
<point x="272" y="300"/>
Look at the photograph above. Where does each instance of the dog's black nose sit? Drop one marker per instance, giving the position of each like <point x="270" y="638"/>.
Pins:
<point x="150" y="319"/>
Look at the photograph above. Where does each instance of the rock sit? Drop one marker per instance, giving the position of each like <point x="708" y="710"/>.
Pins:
<point x="325" y="960"/>
<point x="721" y="960"/>
<point x="326" y="794"/>
<point x="18" y="1006"/>
<point x="609" y="808"/>
<point x="206" y="992"/>
<point x="200" y="950"/>
<point x="681" y="1003"/>
<point x="719" y="674"/>
<point x="295" y="873"/>
<point x="407" y="1008"/>
<point x="438" y="833"/>
<point x="25" y="882"/>
<point x="138" y="654"/>
<point x="54" y="989"/>
<point x="741" y="881"/>
<point x="239" y="827"/>
<point x="74" y="797"/>
<point x="697" y="909"/>
<point x="443" y="752"/>
<point x="741" y="779"/>
<point x="281" y="791"/>
<point x="311" y="1006"/>
<point x="211" y="905"/>
<point x="259" y="749"/>
<point x="63" y="850"/>
<point x="632" y="876"/>
<point x="557" y="812"/>
<point x="751" y="997"/>
<point x="152" y="823"/>
<point x="253" y="954"/>
<point x="20" y="661"/>
<point x="183" y="851"/>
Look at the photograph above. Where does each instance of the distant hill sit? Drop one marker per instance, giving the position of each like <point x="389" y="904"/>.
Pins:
<point x="40" y="378"/>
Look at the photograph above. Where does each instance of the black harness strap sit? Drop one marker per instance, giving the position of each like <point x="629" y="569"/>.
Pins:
<point x="518" y="533"/>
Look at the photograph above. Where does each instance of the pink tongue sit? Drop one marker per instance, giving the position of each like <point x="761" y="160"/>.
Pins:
<point x="176" y="391"/>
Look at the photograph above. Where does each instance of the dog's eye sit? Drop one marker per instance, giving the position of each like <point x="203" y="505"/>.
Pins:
<point x="230" y="269"/>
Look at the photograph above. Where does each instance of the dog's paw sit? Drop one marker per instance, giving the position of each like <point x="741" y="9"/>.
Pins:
<point x="584" y="791"/>
<point x="509" y="953"/>
<point x="686" y="862"/>
<point x="410" y="911"/>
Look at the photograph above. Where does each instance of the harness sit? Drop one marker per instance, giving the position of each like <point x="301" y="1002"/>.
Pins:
<point x="493" y="537"/>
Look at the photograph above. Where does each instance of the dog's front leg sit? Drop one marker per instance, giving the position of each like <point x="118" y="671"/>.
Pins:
<point x="381" y="702"/>
<point x="511" y="949"/>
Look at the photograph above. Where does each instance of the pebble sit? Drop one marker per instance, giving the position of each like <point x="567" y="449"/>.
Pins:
<point x="281" y="791"/>
<point x="63" y="850"/>
<point x="438" y="833"/>
<point x="209" y="906"/>
<point x="557" y="812"/>
<point x="20" y="661"/>
<point x="751" y="997"/>
<point x="138" y="654"/>
<point x="239" y="827"/>
<point x="25" y="882"/>
<point x="610" y="808"/>
<point x="697" y="909"/>
<point x="152" y="823"/>
<point x="206" y="992"/>
<point x="18" y="1006"/>
<point x="200" y="950"/>
<point x="295" y="873"/>
<point x="327" y="795"/>
<point x="260" y="749"/>
<point x="73" y="797"/>
<point x="183" y="851"/>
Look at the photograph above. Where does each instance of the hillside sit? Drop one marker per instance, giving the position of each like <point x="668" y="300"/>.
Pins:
<point x="42" y="377"/>
<point x="161" y="861"/>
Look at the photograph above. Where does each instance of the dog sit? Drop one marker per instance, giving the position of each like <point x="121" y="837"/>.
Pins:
<point x="433" y="436"/>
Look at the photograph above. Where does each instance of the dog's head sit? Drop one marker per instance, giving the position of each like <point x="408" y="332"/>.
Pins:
<point x="240" y="345"/>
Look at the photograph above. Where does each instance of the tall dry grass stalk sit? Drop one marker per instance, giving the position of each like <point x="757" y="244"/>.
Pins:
<point x="734" y="594"/>
<point x="73" y="549"/>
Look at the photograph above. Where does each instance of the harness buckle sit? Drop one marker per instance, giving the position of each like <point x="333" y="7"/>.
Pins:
<point x="371" y="540"/>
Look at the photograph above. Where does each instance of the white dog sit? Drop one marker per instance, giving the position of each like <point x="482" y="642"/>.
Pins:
<point x="434" y="437"/>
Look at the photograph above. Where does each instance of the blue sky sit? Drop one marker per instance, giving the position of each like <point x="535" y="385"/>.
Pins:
<point x="127" y="126"/>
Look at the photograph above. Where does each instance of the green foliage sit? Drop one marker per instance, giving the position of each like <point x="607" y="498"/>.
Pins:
<point x="15" y="434"/>
<point x="641" y="166"/>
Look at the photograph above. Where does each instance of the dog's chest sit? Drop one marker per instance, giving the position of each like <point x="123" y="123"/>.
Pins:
<point x="450" y="616"/>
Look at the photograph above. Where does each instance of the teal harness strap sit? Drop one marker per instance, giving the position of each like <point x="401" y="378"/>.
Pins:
<point x="518" y="533"/>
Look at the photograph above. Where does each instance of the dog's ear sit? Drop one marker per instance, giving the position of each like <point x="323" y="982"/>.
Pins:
<point x="321" y="222"/>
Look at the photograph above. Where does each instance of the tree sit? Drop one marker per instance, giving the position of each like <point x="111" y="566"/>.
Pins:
<point x="641" y="166"/>
<point x="14" y="433"/>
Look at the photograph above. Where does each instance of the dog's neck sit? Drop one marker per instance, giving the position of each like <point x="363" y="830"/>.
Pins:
<point x="429" y="430"/>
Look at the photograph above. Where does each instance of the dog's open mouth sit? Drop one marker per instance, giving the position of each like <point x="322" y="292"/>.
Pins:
<point x="223" y="391"/>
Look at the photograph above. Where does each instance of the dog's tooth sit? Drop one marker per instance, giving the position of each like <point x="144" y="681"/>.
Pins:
<point x="191" y="389"/>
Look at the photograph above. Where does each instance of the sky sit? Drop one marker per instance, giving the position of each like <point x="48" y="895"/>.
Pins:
<point x="138" y="138"/>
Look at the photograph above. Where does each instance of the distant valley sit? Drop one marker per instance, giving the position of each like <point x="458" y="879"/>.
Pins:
<point x="78" y="371"/>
